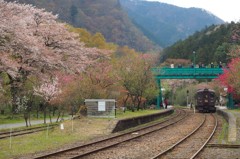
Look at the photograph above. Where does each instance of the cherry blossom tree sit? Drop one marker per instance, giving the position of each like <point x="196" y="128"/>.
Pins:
<point x="32" y="38"/>
<point x="103" y="74"/>
<point x="98" y="81"/>
<point x="48" y="91"/>
<point x="33" y="42"/>
<point x="71" y="97"/>
<point x="23" y="106"/>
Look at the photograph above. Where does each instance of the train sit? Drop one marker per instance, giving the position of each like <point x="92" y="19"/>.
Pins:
<point x="205" y="100"/>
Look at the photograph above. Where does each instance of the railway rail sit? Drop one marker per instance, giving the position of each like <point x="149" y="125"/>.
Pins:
<point x="191" y="145"/>
<point x="90" y="148"/>
<point x="25" y="131"/>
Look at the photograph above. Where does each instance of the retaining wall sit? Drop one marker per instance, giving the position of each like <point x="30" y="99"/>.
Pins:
<point x="135" y="121"/>
<point x="231" y="119"/>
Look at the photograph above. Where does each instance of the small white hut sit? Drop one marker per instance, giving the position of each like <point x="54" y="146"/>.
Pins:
<point x="101" y="108"/>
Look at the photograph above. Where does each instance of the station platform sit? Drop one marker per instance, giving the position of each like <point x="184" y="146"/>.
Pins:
<point x="233" y="118"/>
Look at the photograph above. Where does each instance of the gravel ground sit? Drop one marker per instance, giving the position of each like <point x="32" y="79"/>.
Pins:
<point x="149" y="145"/>
<point x="220" y="153"/>
<point x="146" y="147"/>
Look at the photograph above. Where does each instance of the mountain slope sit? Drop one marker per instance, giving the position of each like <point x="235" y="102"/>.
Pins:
<point x="213" y="44"/>
<point x="105" y="16"/>
<point x="165" y="24"/>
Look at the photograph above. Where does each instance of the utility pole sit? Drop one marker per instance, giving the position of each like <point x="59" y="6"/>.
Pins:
<point x="194" y="58"/>
<point x="194" y="61"/>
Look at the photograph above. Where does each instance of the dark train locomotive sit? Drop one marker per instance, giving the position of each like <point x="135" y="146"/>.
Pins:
<point x="205" y="100"/>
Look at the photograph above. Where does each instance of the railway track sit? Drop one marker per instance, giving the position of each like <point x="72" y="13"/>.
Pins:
<point x="93" y="147"/>
<point x="191" y="145"/>
<point x="25" y="131"/>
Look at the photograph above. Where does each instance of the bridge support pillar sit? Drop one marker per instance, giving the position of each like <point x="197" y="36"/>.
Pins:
<point x="159" y="97"/>
<point x="230" y="103"/>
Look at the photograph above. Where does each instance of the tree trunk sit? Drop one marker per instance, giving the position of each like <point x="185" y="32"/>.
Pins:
<point x="125" y="101"/>
<point x="133" y="102"/>
<point x="26" y="119"/>
<point x="30" y="103"/>
<point x="54" y="111"/>
<point x="44" y="113"/>
<point x="59" y="114"/>
<point x="38" y="111"/>
<point x="50" y="117"/>
<point x="29" y="119"/>
<point x="72" y="110"/>
<point x="138" y="103"/>
<point x="14" y="91"/>
<point x="62" y="116"/>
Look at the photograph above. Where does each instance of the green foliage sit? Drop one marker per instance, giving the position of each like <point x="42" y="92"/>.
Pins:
<point x="4" y="78"/>
<point x="19" y="118"/>
<point x="212" y="44"/>
<point x="221" y="52"/>
<point x="5" y="90"/>
<point x="135" y="77"/>
<point x="151" y="92"/>
<point x="181" y="95"/>
<point x="84" y="35"/>
<point x="30" y="83"/>
<point x="223" y="136"/>
<point x="7" y="119"/>
<point x="97" y="40"/>
<point x="124" y="51"/>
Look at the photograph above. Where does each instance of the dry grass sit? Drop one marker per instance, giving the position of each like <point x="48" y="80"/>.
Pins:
<point x="77" y="131"/>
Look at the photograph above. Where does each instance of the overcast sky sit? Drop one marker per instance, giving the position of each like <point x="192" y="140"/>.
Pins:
<point x="227" y="10"/>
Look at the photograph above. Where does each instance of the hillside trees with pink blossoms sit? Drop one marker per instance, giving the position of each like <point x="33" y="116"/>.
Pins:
<point x="33" y="42"/>
<point x="231" y="77"/>
<point x="48" y="91"/>
<point x="32" y="38"/>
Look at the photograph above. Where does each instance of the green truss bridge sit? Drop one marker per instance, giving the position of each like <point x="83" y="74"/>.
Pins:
<point x="183" y="73"/>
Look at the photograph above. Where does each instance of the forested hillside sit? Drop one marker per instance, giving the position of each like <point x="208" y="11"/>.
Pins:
<point x="165" y="24"/>
<point x="104" y="16"/>
<point x="213" y="44"/>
